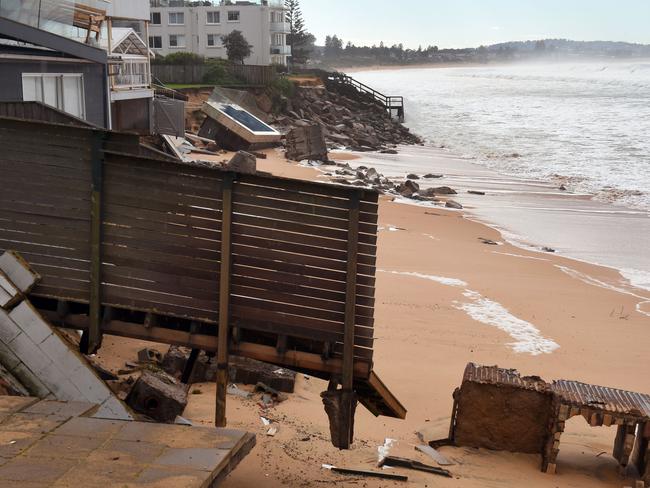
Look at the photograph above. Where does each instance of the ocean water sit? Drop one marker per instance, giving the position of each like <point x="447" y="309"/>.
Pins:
<point x="584" y="125"/>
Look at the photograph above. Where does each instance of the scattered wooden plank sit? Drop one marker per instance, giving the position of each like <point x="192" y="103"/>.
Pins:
<point x="435" y="455"/>
<point x="398" y="462"/>
<point x="366" y="473"/>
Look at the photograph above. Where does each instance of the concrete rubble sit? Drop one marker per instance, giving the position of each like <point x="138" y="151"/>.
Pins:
<point x="39" y="358"/>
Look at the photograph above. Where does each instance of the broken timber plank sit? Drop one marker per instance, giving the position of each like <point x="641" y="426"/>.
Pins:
<point x="415" y="465"/>
<point x="371" y="474"/>
<point x="435" y="455"/>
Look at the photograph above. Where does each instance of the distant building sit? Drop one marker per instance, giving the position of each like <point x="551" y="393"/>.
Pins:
<point x="197" y="27"/>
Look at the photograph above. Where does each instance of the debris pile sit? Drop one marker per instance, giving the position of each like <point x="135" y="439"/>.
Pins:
<point x="499" y="409"/>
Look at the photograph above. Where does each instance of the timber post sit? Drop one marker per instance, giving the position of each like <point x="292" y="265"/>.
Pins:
<point x="224" y="300"/>
<point x="94" y="338"/>
<point x="348" y="399"/>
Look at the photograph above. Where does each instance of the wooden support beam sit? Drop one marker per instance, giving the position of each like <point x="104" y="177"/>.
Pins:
<point x="94" y="333"/>
<point x="189" y="366"/>
<point x="224" y="300"/>
<point x="347" y="384"/>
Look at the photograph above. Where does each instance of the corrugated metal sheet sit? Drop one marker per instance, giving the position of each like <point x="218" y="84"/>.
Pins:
<point x="603" y="398"/>
<point x="574" y="393"/>
<point x="494" y="375"/>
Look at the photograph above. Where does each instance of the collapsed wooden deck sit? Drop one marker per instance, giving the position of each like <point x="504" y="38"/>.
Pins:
<point x="133" y="243"/>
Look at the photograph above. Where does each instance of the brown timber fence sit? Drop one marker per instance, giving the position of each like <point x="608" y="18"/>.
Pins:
<point x="138" y="239"/>
<point x="193" y="74"/>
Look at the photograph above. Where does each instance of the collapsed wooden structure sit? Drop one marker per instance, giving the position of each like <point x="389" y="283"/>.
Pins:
<point x="132" y="242"/>
<point x="499" y="409"/>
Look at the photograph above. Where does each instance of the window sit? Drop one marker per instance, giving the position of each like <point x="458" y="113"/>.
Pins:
<point x="277" y="17"/>
<point x="214" y="17"/>
<point x="233" y="16"/>
<point x="277" y="40"/>
<point x="155" y="42"/>
<point x="214" y="40"/>
<point x="177" y="41"/>
<point x="62" y="91"/>
<point x="176" y="18"/>
<point x="156" y="18"/>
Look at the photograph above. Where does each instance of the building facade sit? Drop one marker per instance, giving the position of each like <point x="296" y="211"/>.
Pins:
<point x="197" y="27"/>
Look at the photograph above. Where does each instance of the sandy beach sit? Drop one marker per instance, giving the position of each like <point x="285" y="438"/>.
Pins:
<point x="444" y="299"/>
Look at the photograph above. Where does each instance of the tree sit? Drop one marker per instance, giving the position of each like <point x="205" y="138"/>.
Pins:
<point x="301" y="42"/>
<point x="237" y="47"/>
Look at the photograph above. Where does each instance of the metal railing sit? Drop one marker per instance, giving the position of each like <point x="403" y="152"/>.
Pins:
<point x="131" y="73"/>
<point x="393" y="104"/>
<point x="281" y="50"/>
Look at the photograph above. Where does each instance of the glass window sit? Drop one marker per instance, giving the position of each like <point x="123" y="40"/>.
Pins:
<point x="155" y="42"/>
<point x="176" y="40"/>
<point x="62" y="91"/>
<point x="214" y="40"/>
<point x="156" y="18"/>
<point x="176" y="18"/>
<point x="214" y="17"/>
<point x="233" y="16"/>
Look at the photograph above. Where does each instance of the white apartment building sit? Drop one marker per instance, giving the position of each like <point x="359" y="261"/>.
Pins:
<point x="197" y="27"/>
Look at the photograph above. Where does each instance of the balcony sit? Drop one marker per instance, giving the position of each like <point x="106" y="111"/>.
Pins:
<point x="280" y="27"/>
<point x="283" y="50"/>
<point x="130" y="73"/>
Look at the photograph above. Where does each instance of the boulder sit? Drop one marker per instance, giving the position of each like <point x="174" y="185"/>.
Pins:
<point x="443" y="190"/>
<point x="408" y="188"/>
<point x="453" y="204"/>
<point x="243" y="162"/>
<point x="413" y="176"/>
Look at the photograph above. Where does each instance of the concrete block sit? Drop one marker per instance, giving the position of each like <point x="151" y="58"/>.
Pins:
<point x="7" y="358"/>
<point x="30" y="354"/>
<point x="8" y="329"/>
<point x="8" y="292"/>
<point x="30" y="381"/>
<point x="31" y="322"/>
<point x="18" y="271"/>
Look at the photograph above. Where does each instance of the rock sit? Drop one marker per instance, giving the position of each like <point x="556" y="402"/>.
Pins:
<point x="562" y="188"/>
<point x="251" y="372"/>
<point x="264" y="103"/>
<point x="158" y="396"/>
<point x="408" y="188"/>
<point x="443" y="190"/>
<point x="149" y="356"/>
<point x="548" y="249"/>
<point x="388" y="151"/>
<point x="243" y="162"/>
<point x="474" y="192"/>
<point x="489" y="242"/>
<point x="453" y="204"/>
<point x="413" y="176"/>
<point x="431" y="176"/>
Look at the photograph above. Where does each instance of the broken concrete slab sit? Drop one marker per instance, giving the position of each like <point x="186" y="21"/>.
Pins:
<point x="306" y="143"/>
<point x="243" y="162"/>
<point x="148" y="355"/>
<point x="18" y="271"/>
<point x="9" y="294"/>
<point x="158" y="396"/>
<point x="251" y="372"/>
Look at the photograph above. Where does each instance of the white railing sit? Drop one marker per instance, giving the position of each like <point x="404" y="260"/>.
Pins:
<point x="131" y="72"/>
<point x="280" y="27"/>
<point x="286" y="50"/>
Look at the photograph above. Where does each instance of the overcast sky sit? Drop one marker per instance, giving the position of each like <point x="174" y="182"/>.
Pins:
<point x="469" y="23"/>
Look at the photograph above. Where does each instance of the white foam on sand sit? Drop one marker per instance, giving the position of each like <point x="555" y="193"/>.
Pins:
<point x="528" y="338"/>
<point x="438" y="279"/>
<point x="519" y="256"/>
<point x="590" y="280"/>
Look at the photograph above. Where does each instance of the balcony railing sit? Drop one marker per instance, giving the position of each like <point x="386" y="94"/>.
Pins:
<point x="130" y="73"/>
<point x="285" y="50"/>
<point x="280" y="27"/>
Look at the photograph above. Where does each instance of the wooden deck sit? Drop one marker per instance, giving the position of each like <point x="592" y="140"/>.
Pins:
<point x="47" y="443"/>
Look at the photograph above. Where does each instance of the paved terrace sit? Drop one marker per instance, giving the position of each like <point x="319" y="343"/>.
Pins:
<point x="49" y="443"/>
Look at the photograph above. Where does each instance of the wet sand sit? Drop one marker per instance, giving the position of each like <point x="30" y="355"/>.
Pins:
<point x="443" y="298"/>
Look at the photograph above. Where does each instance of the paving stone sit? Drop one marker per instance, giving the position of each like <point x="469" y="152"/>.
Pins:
<point x="31" y="422"/>
<point x="12" y="442"/>
<point x="53" y="407"/>
<point x="65" y="447"/>
<point x="203" y="459"/>
<point x="180" y="436"/>
<point x="127" y="451"/>
<point x="90" y="427"/>
<point x="172" y="476"/>
<point x="26" y="469"/>
<point x="9" y="405"/>
<point x="101" y="473"/>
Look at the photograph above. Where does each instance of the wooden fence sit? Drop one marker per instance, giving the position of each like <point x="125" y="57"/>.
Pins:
<point x="142" y="237"/>
<point x="195" y="73"/>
